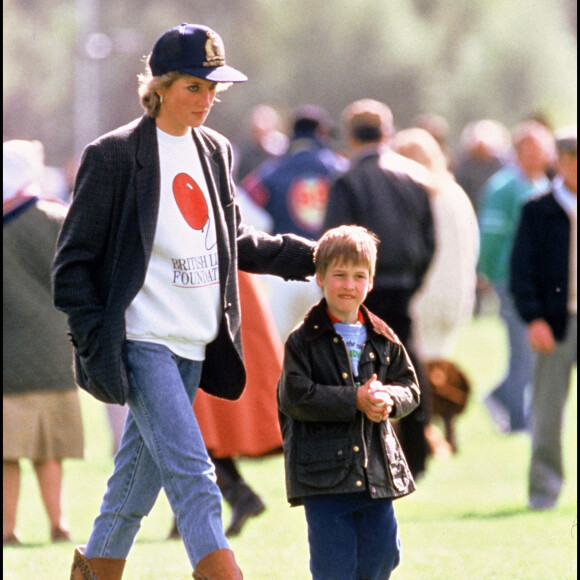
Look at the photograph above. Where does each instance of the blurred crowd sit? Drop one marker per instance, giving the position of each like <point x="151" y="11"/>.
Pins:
<point x="454" y="246"/>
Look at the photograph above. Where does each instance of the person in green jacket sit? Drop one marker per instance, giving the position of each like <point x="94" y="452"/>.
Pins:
<point x="502" y="199"/>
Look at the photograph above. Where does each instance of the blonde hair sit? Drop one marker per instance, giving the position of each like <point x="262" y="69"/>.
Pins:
<point x="149" y="85"/>
<point x="419" y="145"/>
<point x="346" y="244"/>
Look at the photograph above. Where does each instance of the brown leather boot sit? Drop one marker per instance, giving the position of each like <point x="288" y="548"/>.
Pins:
<point x="95" y="568"/>
<point x="218" y="565"/>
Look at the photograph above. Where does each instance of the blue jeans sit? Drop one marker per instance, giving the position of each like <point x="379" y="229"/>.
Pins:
<point x="161" y="446"/>
<point x="352" y="537"/>
<point x="514" y="390"/>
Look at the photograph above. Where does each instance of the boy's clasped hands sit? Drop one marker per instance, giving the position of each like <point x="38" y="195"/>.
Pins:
<point x="373" y="400"/>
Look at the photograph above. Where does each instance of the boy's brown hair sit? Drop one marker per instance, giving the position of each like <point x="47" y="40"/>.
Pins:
<point x="346" y="244"/>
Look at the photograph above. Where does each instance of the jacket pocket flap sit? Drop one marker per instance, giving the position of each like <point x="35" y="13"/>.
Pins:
<point x="323" y="463"/>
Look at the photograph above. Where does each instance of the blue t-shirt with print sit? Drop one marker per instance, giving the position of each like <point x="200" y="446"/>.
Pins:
<point x="354" y="336"/>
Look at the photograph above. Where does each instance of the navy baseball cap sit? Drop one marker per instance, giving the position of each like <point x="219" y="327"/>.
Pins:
<point x="195" y="50"/>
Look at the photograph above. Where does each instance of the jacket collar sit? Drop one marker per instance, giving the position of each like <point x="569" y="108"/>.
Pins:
<point x="317" y="322"/>
<point x="209" y="154"/>
<point x="564" y="196"/>
<point x="365" y="153"/>
<point x="147" y="142"/>
<point x="147" y="181"/>
<point x="206" y="145"/>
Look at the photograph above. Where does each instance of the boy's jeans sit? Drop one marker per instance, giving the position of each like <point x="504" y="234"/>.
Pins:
<point x="352" y="537"/>
<point x="161" y="447"/>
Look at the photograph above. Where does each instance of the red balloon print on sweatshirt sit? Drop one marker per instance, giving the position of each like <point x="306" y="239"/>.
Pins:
<point x="190" y="201"/>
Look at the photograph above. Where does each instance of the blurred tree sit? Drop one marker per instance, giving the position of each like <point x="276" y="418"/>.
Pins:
<point x="498" y="59"/>
<point x="38" y="73"/>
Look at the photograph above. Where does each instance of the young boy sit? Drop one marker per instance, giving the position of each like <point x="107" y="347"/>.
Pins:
<point x="343" y="461"/>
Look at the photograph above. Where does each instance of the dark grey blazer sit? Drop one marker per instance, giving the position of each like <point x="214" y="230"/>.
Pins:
<point x="105" y="245"/>
<point x="539" y="266"/>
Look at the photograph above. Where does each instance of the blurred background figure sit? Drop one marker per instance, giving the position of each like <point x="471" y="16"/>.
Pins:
<point x="438" y="127"/>
<point x="445" y="300"/>
<point x="502" y="198"/>
<point x="264" y="140"/>
<point x="542" y="118"/>
<point x="65" y="177"/>
<point x="249" y="426"/>
<point x="544" y="269"/>
<point x="41" y="408"/>
<point x="293" y="190"/>
<point x="23" y="170"/>
<point x="386" y="193"/>
<point x="484" y="148"/>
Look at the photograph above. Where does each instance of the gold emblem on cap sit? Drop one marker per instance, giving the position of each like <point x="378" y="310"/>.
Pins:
<point x="214" y="51"/>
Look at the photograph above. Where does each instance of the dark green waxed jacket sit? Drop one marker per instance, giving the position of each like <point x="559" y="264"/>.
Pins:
<point x="329" y="446"/>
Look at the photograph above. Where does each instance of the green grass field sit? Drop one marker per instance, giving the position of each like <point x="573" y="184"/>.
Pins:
<point x="467" y="520"/>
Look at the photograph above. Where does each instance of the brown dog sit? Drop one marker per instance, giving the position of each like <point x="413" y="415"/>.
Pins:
<point x="450" y="390"/>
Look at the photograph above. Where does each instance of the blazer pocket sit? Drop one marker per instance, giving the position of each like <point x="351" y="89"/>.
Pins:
<point x="98" y="371"/>
<point x="323" y="463"/>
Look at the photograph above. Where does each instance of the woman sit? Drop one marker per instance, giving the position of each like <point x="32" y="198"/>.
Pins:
<point x="446" y="298"/>
<point x="41" y="419"/>
<point x="146" y="269"/>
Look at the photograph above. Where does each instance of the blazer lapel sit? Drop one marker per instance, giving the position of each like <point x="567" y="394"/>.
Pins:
<point x="213" y="174"/>
<point x="147" y="183"/>
<point x="210" y="166"/>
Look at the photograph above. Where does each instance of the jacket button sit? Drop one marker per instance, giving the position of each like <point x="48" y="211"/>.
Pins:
<point x="388" y="359"/>
<point x="359" y="483"/>
<point x="335" y="339"/>
<point x="356" y="448"/>
<point x="345" y="375"/>
<point x="371" y="355"/>
<point x="316" y="327"/>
